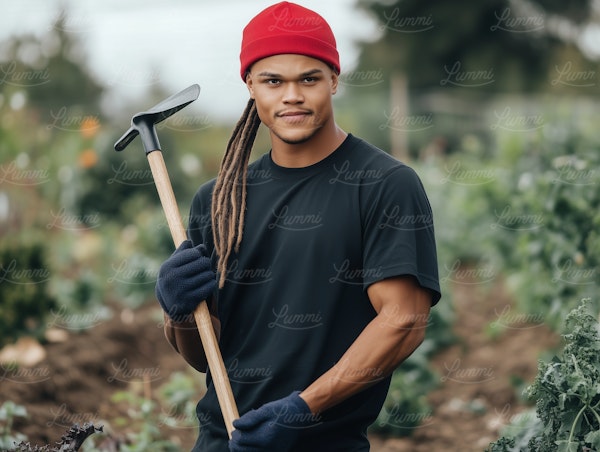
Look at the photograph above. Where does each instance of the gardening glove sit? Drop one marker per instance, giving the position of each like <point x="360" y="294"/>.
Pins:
<point x="274" y="426"/>
<point x="185" y="279"/>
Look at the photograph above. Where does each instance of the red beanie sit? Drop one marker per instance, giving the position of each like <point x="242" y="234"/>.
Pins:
<point x="287" y="28"/>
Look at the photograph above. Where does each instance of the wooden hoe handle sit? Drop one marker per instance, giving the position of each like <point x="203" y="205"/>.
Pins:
<point x="202" y="314"/>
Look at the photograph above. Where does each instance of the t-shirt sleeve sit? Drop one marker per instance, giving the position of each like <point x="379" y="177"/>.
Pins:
<point x="398" y="231"/>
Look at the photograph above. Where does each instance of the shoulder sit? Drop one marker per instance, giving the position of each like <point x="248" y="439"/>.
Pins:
<point x="362" y="154"/>
<point x="374" y="166"/>
<point x="203" y="195"/>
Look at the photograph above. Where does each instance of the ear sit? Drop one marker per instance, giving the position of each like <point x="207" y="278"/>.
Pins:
<point x="249" y="84"/>
<point x="334" y="82"/>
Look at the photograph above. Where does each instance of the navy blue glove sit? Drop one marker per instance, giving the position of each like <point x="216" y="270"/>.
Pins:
<point x="184" y="280"/>
<point x="274" y="426"/>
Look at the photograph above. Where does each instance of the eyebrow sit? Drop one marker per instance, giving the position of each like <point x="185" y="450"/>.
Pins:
<point x="304" y="74"/>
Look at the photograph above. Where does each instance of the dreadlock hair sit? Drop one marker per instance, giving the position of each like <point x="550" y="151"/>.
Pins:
<point x="229" y="194"/>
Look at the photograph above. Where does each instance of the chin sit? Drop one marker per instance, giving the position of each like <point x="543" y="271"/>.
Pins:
<point x="295" y="137"/>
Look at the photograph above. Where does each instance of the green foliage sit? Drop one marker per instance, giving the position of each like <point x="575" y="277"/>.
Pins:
<point x="147" y="420"/>
<point x="566" y="391"/>
<point x="406" y="407"/>
<point x="8" y="412"/>
<point x="180" y="394"/>
<point x="144" y="433"/>
<point x="530" y="210"/>
<point x="502" y="445"/>
<point x="24" y="300"/>
<point x="548" y="223"/>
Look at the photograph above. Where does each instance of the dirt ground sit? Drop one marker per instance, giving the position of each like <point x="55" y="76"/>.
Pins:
<point x="476" y="396"/>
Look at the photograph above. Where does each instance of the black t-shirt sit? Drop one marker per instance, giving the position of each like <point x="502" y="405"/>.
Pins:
<point x="295" y="295"/>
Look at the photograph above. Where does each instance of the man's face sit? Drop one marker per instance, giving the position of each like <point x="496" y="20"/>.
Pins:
<point x="293" y="95"/>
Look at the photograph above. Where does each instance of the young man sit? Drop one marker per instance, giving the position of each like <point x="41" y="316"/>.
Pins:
<point x="325" y="257"/>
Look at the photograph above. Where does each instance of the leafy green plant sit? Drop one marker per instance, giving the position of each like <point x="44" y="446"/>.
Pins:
<point x="180" y="394"/>
<point x="8" y="412"/>
<point x="566" y="391"/>
<point x="406" y="406"/>
<point x="24" y="299"/>
<point x="142" y="417"/>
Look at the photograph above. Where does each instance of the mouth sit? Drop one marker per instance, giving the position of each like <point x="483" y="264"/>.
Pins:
<point x="293" y="116"/>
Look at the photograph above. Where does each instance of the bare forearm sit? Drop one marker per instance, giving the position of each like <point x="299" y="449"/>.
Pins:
<point x="373" y="356"/>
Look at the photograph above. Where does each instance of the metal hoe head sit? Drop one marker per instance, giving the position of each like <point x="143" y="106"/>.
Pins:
<point x="143" y="123"/>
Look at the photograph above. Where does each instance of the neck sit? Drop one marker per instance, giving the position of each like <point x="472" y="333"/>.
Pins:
<point x="309" y="152"/>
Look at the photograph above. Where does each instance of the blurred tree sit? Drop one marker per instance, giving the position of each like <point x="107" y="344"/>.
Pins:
<point x="47" y="80"/>
<point x="443" y="61"/>
<point x="50" y="71"/>
<point x="513" y="43"/>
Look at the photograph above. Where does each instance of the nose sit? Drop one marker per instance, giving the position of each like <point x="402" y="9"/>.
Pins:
<point x="292" y="94"/>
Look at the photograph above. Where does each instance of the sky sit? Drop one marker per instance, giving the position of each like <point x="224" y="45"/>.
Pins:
<point x="134" y="44"/>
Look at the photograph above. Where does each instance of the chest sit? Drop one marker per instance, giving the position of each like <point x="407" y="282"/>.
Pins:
<point x="305" y="224"/>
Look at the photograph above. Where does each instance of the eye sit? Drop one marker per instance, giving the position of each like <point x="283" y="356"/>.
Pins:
<point x="310" y="79"/>
<point x="272" y="81"/>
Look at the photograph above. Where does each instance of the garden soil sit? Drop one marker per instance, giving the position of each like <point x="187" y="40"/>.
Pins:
<point x="480" y="377"/>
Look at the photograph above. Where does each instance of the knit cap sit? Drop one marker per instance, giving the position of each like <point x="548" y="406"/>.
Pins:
<point x="287" y="28"/>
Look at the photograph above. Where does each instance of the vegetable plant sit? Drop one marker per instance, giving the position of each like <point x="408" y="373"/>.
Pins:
<point x="8" y="412"/>
<point x="566" y="391"/>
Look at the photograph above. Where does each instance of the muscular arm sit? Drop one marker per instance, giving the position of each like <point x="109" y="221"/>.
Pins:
<point x="402" y="308"/>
